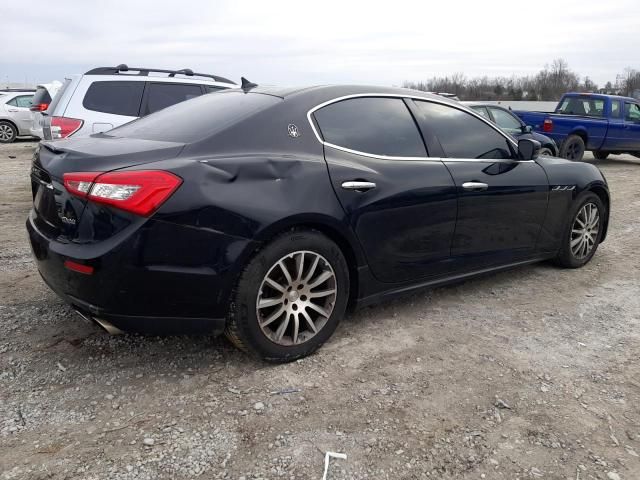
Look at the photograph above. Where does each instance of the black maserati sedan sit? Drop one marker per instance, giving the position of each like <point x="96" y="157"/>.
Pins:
<point x="266" y="213"/>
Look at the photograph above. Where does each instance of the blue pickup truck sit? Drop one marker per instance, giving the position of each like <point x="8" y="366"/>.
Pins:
<point x="604" y="124"/>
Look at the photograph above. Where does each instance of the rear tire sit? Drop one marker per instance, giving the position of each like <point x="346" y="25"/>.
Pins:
<point x="600" y="154"/>
<point x="8" y="132"/>
<point x="573" y="148"/>
<point x="282" y="278"/>
<point x="582" y="232"/>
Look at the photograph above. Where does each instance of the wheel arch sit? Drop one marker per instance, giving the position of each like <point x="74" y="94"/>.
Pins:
<point x="8" y="120"/>
<point x="334" y="230"/>
<point x="582" y="133"/>
<point x="603" y="194"/>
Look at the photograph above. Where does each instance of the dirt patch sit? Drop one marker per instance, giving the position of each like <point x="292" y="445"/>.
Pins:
<point x="532" y="373"/>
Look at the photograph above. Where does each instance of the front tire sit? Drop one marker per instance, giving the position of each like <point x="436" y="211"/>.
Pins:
<point x="546" y="151"/>
<point x="573" y="148"/>
<point x="290" y="297"/>
<point x="583" y="231"/>
<point x="600" y="154"/>
<point x="8" y="132"/>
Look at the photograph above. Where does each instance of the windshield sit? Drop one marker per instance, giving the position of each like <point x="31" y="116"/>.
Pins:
<point x="197" y="118"/>
<point x="585" y="106"/>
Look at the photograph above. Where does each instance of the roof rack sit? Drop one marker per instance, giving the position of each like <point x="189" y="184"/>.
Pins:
<point x="17" y="89"/>
<point x="144" y="71"/>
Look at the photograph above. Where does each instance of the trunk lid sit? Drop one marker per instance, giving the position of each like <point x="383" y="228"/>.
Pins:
<point x="57" y="212"/>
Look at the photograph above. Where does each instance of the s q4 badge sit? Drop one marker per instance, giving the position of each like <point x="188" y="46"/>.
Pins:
<point x="293" y="131"/>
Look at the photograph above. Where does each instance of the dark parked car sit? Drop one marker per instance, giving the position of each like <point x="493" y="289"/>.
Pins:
<point x="265" y="213"/>
<point x="511" y="123"/>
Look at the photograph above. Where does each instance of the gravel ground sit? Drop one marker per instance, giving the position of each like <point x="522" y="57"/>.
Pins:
<point x="531" y="373"/>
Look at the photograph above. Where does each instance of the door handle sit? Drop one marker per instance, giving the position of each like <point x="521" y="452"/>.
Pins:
<point x="358" y="186"/>
<point x="475" y="186"/>
<point x="13" y="110"/>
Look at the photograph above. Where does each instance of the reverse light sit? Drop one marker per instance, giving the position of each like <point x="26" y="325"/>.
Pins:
<point x="547" y="125"/>
<point x="63" y="127"/>
<point x="140" y="192"/>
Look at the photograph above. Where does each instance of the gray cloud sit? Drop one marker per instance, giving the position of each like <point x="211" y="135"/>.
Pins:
<point x="321" y="42"/>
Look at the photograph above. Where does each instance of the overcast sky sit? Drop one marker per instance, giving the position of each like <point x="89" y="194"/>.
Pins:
<point x="301" y="42"/>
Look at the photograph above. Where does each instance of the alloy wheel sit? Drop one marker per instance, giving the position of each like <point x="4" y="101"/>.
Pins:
<point x="296" y="298"/>
<point x="6" y="133"/>
<point x="584" y="231"/>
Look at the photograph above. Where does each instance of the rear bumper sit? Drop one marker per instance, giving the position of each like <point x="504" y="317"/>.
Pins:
<point x="159" y="279"/>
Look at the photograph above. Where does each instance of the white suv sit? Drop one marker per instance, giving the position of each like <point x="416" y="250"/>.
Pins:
<point x="107" y="97"/>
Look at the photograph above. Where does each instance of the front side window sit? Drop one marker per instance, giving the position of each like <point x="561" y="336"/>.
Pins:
<point x="632" y="112"/>
<point x="163" y="95"/>
<point x="505" y="120"/>
<point x="615" y="109"/>
<point x="371" y="125"/>
<point x="462" y="135"/>
<point x="117" y="98"/>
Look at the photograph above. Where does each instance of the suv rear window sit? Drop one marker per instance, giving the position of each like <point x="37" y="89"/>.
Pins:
<point x="118" y="97"/>
<point x="162" y="95"/>
<point x="205" y="116"/>
<point x="41" y="96"/>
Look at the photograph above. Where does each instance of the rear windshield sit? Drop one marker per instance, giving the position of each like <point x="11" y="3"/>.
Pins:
<point x="585" y="106"/>
<point x="41" y="96"/>
<point x="196" y="119"/>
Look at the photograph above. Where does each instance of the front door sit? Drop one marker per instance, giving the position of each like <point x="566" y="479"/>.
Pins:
<point x="502" y="202"/>
<point x="400" y="203"/>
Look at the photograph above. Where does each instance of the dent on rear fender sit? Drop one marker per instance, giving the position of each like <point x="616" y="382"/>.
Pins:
<point x="257" y="168"/>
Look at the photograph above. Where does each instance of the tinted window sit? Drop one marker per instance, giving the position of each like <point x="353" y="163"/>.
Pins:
<point x="379" y="126"/>
<point x="462" y="135"/>
<point x="632" y="112"/>
<point x="505" y="119"/>
<point x="615" y="109"/>
<point x="162" y="95"/>
<point x="118" y="98"/>
<point x="207" y="114"/>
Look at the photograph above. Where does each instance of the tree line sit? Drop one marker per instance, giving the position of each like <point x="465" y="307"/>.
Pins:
<point x="547" y="85"/>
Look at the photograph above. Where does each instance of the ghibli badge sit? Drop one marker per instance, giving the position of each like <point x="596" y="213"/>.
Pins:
<point x="293" y="131"/>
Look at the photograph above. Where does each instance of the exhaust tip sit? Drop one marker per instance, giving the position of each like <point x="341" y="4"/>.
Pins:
<point x="109" y="327"/>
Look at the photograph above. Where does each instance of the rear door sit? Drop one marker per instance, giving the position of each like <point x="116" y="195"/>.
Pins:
<point x="502" y="202"/>
<point x="631" y="130"/>
<point x="18" y="109"/>
<point x="400" y="203"/>
<point x="110" y="103"/>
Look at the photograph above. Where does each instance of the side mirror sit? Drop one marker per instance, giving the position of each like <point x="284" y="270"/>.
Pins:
<point x="527" y="129"/>
<point x="528" y="149"/>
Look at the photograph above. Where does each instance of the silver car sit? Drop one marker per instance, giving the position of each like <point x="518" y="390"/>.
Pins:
<point x="15" y="116"/>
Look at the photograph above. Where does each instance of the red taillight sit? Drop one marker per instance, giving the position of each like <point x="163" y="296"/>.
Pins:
<point x="547" y="125"/>
<point x="78" y="267"/>
<point x="39" y="107"/>
<point x="63" y="127"/>
<point x="140" y="192"/>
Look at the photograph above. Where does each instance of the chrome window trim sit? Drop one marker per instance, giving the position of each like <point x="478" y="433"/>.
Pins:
<point x="413" y="97"/>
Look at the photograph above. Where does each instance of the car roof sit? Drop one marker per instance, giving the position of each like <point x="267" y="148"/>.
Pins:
<point x="330" y="92"/>
<point x="602" y="95"/>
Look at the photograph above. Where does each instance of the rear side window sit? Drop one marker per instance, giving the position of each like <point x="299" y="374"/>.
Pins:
<point x="206" y="115"/>
<point x="23" y="101"/>
<point x="118" y="98"/>
<point x="162" y="95"/>
<point x="482" y="111"/>
<point x="378" y="126"/>
<point x="462" y="135"/>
